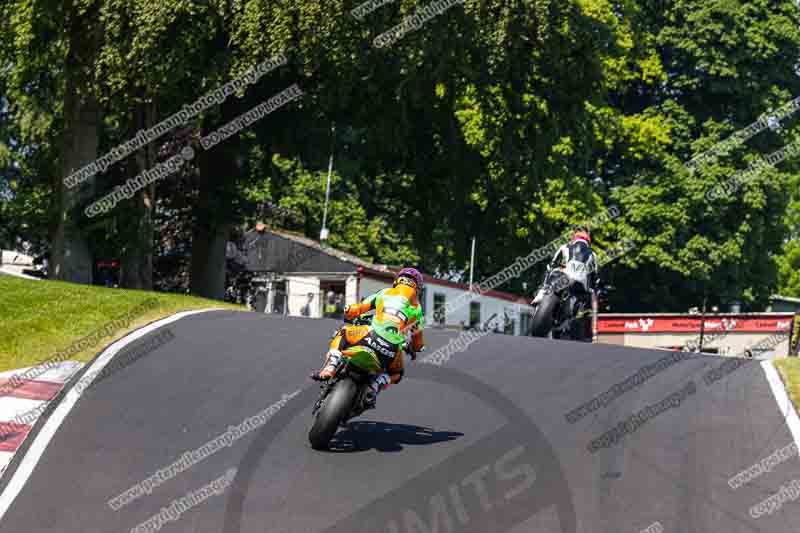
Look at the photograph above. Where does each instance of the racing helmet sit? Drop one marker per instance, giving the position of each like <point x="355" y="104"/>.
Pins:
<point x="581" y="234"/>
<point x="411" y="277"/>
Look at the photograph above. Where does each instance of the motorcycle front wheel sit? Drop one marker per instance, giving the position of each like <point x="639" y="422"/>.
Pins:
<point x="335" y="408"/>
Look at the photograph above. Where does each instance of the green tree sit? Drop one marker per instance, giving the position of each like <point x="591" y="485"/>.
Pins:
<point x="789" y="261"/>
<point x="726" y="63"/>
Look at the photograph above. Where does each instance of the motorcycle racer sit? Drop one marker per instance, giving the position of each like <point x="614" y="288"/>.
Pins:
<point x="578" y="262"/>
<point x="398" y="314"/>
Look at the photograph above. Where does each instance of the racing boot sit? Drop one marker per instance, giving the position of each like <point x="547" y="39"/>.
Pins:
<point x="375" y="386"/>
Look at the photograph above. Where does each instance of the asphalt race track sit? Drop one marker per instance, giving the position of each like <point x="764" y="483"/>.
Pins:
<point x="479" y="444"/>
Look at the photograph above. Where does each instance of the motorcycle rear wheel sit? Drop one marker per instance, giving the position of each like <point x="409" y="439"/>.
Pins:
<point x="335" y="408"/>
<point x="542" y="321"/>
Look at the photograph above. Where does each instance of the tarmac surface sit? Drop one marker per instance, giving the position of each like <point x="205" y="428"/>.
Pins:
<point x="481" y="443"/>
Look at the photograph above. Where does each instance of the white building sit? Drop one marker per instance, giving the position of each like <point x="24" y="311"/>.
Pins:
<point x="18" y="265"/>
<point x="298" y="270"/>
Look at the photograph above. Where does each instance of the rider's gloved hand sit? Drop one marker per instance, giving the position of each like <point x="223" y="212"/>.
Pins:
<point x="351" y="312"/>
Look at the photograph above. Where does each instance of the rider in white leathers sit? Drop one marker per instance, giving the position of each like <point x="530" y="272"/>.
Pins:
<point x="578" y="262"/>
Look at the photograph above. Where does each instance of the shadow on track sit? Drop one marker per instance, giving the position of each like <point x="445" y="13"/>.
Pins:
<point x="363" y="436"/>
<point x="542" y="495"/>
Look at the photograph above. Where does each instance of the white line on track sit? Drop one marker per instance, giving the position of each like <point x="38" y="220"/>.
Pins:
<point x="51" y="425"/>
<point x="784" y="403"/>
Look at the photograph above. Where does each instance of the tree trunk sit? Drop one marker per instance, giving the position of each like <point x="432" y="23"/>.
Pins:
<point x="137" y="221"/>
<point x="208" y="261"/>
<point x="71" y="258"/>
<point x="211" y="229"/>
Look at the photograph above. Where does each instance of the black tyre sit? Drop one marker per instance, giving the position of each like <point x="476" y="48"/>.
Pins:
<point x="543" y="318"/>
<point x="581" y="329"/>
<point x="337" y="405"/>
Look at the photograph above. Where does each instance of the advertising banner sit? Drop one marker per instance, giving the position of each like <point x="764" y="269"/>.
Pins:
<point x="685" y="324"/>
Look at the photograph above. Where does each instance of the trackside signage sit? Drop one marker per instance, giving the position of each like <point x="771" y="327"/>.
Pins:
<point x="683" y="324"/>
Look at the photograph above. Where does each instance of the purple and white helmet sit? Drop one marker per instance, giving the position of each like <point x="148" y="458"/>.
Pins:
<point x="414" y="274"/>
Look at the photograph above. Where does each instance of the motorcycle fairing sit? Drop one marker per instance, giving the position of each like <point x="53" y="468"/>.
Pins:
<point x="364" y="358"/>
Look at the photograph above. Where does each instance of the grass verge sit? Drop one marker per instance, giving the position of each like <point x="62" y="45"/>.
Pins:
<point x="39" y="319"/>
<point x="789" y="369"/>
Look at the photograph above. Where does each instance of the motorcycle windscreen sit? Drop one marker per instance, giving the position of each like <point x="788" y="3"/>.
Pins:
<point x="364" y="358"/>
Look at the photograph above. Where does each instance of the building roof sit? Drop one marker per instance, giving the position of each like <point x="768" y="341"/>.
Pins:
<point x="785" y="299"/>
<point x="430" y="280"/>
<point x="328" y="250"/>
<point x="384" y="271"/>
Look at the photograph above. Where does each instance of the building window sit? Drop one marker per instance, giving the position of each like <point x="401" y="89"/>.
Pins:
<point x="474" y="314"/>
<point x="438" y="309"/>
<point x="510" y="316"/>
<point x="525" y="323"/>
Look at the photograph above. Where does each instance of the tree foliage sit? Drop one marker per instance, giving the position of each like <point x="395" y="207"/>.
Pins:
<point x="503" y="120"/>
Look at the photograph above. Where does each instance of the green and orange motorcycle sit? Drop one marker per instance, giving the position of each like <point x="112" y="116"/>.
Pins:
<point x="343" y="395"/>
